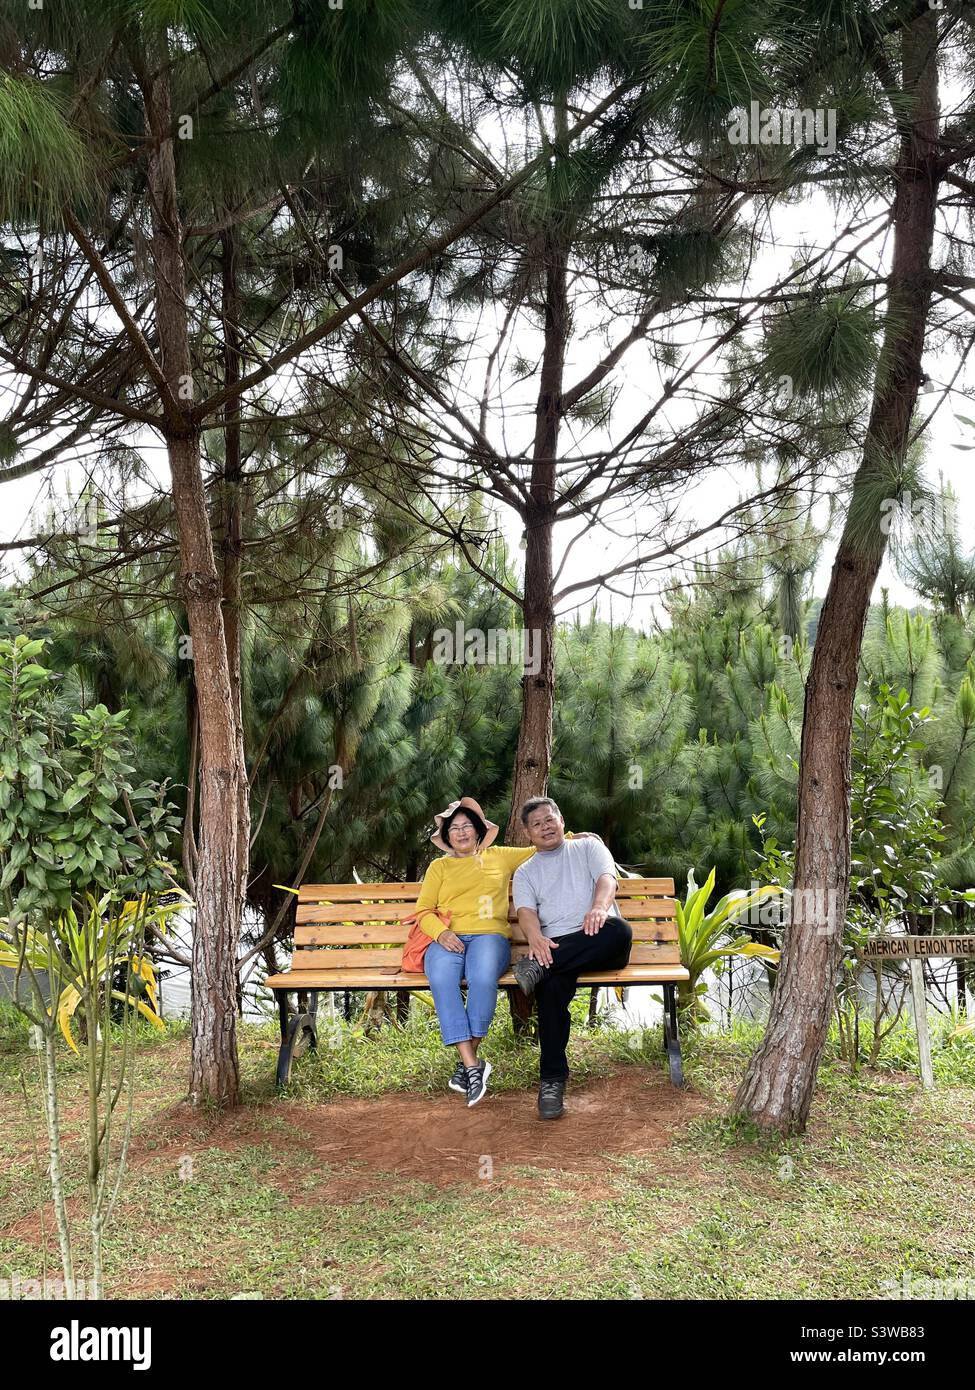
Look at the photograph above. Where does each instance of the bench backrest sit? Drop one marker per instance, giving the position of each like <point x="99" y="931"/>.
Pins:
<point x="360" y="924"/>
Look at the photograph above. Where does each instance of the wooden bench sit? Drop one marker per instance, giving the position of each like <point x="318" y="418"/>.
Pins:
<point x="350" y="936"/>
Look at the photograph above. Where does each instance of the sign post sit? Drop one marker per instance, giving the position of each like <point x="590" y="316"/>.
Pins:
<point x="914" y="949"/>
<point x="920" y="1004"/>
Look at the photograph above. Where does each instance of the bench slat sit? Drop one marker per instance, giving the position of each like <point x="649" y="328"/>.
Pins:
<point x="334" y="934"/>
<point x="355" y="892"/>
<point x="645" y="887"/>
<point x="367" y="979"/>
<point x="408" y="892"/>
<point x="636" y="910"/>
<point x="354" y="912"/>
<point x="640" y="954"/>
<point x="362" y="959"/>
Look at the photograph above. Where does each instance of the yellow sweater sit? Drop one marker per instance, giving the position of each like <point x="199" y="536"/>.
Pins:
<point x="474" y="889"/>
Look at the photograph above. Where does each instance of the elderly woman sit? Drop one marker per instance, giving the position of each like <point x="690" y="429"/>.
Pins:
<point x="470" y="882"/>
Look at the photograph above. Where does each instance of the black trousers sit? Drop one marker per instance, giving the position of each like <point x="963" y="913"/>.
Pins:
<point x="576" y="954"/>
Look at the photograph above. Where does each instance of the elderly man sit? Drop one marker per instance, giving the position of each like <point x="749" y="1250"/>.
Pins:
<point x="564" y="896"/>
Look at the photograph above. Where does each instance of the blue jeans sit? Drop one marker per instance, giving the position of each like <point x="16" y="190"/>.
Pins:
<point x="485" y="959"/>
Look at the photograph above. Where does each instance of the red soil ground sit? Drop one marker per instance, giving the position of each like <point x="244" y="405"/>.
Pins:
<point x="438" y="1139"/>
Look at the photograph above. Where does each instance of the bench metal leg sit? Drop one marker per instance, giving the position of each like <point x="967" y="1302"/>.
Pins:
<point x="311" y="1000"/>
<point x="297" y="1031"/>
<point x="671" y="1035"/>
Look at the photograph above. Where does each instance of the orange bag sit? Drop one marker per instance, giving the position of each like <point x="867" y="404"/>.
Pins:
<point x="417" y="942"/>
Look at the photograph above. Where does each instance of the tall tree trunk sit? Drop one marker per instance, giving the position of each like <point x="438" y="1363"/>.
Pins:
<point x="231" y="527"/>
<point x="231" y="509"/>
<point x="777" y="1090"/>
<point x="221" y="870"/>
<point x="534" y="755"/>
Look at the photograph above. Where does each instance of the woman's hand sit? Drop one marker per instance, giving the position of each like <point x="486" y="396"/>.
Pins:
<point x="450" y="941"/>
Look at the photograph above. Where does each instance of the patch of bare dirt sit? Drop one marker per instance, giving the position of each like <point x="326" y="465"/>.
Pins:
<point x="439" y="1140"/>
<point x="183" y="1129"/>
<point x="164" y="1283"/>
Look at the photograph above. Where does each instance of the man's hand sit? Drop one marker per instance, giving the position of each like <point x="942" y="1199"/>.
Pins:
<point x="593" y="920"/>
<point x="602" y="900"/>
<point x="450" y="941"/>
<point x="540" y="948"/>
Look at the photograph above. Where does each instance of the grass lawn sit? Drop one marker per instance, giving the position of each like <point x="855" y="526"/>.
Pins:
<point x="369" y="1180"/>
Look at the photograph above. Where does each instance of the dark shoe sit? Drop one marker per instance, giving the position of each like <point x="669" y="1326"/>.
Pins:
<point x="529" y="974"/>
<point x="458" y="1082"/>
<point x="477" y="1077"/>
<point x="551" y="1094"/>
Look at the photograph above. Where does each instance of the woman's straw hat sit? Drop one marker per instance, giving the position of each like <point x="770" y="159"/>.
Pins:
<point x="466" y="803"/>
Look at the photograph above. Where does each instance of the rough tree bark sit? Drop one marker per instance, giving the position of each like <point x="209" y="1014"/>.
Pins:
<point x="777" y="1090"/>
<point x="231" y="529"/>
<point x="221" y="866"/>
<point x="534" y="754"/>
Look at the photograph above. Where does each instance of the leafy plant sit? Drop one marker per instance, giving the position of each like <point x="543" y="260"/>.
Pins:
<point x="83" y="954"/>
<point x="896" y="830"/>
<point x="702" y="936"/>
<point x="775" y="863"/>
<point x="80" y="885"/>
